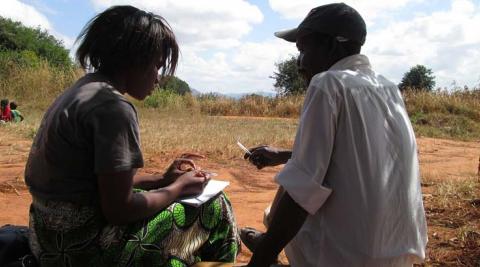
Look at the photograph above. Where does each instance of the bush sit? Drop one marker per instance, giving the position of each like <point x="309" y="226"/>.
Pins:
<point x="418" y="78"/>
<point x="39" y="43"/>
<point x="165" y="99"/>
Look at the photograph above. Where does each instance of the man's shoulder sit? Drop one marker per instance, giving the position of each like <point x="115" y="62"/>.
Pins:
<point x="348" y="78"/>
<point x="326" y="79"/>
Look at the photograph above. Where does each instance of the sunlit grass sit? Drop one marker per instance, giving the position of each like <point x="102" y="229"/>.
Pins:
<point x="441" y="114"/>
<point x="214" y="136"/>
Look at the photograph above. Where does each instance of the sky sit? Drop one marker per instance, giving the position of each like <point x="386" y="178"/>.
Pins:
<point x="228" y="46"/>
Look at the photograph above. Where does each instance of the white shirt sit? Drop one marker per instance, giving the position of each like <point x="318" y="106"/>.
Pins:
<point x="354" y="168"/>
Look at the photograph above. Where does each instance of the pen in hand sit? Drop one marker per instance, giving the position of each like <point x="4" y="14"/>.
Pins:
<point x="243" y="148"/>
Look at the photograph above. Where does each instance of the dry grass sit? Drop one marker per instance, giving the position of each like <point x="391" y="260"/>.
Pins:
<point x="445" y="114"/>
<point x="164" y="133"/>
<point x="34" y="86"/>
<point x="441" y="114"/>
<point x="171" y="133"/>
<point x="180" y="124"/>
<point x="453" y="214"/>
<point x="452" y="206"/>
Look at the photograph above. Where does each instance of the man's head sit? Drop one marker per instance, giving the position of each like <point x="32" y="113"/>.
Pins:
<point x="13" y="105"/>
<point x="328" y="34"/>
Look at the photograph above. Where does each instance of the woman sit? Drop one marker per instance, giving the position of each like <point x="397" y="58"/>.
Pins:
<point x="82" y="165"/>
<point x="5" y="112"/>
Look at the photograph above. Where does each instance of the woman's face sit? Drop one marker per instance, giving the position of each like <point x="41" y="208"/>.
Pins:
<point x="140" y="82"/>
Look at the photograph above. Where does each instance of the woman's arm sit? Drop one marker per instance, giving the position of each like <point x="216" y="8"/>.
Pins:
<point x="149" y="182"/>
<point x="121" y="206"/>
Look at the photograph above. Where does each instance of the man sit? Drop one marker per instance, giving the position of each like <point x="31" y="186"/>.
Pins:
<point x="350" y="193"/>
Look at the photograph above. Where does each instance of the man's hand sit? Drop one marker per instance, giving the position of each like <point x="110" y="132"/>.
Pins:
<point x="264" y="156"/>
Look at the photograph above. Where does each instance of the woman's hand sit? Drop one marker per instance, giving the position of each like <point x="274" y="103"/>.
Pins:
<point x="180" y="166"/>
<point x="192" y="183"/>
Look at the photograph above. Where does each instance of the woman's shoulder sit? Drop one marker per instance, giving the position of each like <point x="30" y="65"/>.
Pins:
<point x="95" y="87"/>
<point x="92" y="94"/>
<point x="93" y="90"/>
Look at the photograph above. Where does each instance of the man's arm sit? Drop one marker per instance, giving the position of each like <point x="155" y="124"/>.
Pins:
<point x="287" y="220"/>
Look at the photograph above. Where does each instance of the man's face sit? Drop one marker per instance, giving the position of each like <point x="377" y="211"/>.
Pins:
<point x="314" y="56"/>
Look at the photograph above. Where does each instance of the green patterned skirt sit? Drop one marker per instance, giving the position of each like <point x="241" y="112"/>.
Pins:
<point x="64" y="234"/>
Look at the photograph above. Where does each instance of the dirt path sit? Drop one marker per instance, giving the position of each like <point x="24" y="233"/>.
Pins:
<point x="250" y="190"/>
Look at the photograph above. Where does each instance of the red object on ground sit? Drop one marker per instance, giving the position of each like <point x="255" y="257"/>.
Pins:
<point x="6" y="114"/>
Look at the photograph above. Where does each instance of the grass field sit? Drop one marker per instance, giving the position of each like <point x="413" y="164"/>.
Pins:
<point x="171" y="124"/>
<point x="451" y="196"/>
<point x="454" y="115"/>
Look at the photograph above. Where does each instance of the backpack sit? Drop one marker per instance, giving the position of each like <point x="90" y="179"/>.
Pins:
<point x="14" y="248"/>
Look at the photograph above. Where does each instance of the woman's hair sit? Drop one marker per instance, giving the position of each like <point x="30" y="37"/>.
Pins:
<point x="124" y="36"/>
<point x="4" y="103"/>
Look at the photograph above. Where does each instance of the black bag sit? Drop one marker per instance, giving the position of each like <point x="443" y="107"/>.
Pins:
<point x="14" y="248"/>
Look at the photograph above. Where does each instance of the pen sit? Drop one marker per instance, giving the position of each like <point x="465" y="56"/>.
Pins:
<point x="244" y="148"/>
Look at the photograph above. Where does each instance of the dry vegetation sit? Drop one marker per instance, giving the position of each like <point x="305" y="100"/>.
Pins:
<point x="435" y="114"/>
<point x="186" y="123"/>
<point x="453" y="217"/>
<point x="445" y="114"/>
<point x="211" y="135"/>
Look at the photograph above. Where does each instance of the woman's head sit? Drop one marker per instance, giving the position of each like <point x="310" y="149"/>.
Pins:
<point x="4" y="103"/>
<point x="126" y="40"/>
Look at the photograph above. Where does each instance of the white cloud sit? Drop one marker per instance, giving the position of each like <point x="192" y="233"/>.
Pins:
<point x="31" y="17"/>
<point x="24" y="13"/>
<point x="202" y="24"/>
<point x="369" y="9"/>
<point x="246" y="69"/>
<point x="446" y="41"/>
<point x="214" y="57"/>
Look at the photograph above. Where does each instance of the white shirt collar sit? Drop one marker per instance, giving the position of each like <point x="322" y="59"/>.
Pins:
<point x="351" y="62"/>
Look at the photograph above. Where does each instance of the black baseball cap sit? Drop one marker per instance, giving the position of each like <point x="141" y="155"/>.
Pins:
<point x="339" y="20"/>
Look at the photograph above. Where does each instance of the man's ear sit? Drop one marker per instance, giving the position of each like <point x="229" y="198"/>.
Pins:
<point x="333" y="49"/>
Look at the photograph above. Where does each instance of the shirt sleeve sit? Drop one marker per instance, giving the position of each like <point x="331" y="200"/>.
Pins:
<point x="303" y="175"/>
<point x="115" y="135"/>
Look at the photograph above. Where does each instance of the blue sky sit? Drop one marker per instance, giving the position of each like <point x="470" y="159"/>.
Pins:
<point x="228" y="45"/>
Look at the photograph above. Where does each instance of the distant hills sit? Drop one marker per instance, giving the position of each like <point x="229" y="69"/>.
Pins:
<point x="195" y="92"/>
<point x="236" y="95"/>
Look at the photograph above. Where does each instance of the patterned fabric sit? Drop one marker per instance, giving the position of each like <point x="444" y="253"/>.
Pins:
<point x="64" y="234"/>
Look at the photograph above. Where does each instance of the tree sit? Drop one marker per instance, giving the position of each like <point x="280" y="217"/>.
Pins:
<point x="23" y="43"/>
<point x="175" y="84"/>
<point x="287" y="79"/>
<point x="418" y="78"/>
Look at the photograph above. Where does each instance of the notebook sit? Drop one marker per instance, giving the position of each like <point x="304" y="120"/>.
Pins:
<point x="211" y="190"/>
